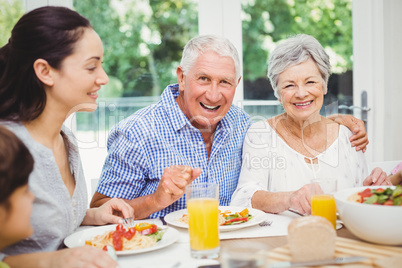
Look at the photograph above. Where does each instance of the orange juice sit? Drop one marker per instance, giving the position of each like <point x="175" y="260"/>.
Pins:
<point x="203" y="223"/>
<point x="324" y="206"/>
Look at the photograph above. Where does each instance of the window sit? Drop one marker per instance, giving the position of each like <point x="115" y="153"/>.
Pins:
<point x="265" y="22"/>
<point x="143" y="41"/>
<point x="10" y="12"/>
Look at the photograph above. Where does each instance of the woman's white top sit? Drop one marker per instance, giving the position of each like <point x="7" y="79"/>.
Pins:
<point x="270" y="164"/>
<point x="55" y="214"/>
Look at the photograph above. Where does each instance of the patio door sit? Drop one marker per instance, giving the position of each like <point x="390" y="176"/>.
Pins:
<point x="377" y="70"/>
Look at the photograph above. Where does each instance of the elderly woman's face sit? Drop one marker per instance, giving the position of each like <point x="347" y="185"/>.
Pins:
<point x="301" y="90"/>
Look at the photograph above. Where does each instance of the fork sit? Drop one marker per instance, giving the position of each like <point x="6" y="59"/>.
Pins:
<point x="265" y="223"/>
<point x="128" y="222"/>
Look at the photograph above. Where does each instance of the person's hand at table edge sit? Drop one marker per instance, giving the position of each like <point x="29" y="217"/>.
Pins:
<point x="79" y="257"/>
<point x="111" y="211"/>
<point x="377" y="177"/>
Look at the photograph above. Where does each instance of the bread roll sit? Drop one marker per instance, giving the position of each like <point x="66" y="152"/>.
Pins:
<point x="311" y="238"/>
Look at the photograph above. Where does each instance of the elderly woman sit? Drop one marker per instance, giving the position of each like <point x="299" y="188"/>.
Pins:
<point x="282" y="154"/>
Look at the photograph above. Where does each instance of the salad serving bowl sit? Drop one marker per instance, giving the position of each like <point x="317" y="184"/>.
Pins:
<point x="370" y="222"/>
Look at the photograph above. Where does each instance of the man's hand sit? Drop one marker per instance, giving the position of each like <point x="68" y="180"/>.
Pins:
<point x="170" y="188"/>
<point x="359" y="138"/>
<point x="172" y="184"/>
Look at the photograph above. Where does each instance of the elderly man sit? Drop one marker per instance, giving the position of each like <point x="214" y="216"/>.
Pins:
<point x="193" y="132"/>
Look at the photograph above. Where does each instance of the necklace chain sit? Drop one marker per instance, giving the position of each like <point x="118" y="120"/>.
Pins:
<point x="298" y="141"/>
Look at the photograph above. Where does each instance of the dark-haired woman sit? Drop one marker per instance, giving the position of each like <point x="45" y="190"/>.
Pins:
<point x="50" y="68"/>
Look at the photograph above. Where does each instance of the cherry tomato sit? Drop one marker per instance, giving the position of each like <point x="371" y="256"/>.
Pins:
<point x="117" y="241"/>
<point x="132" y="230"/>
<point x="119" y="227"/>
<point x="130" y="233"/>
<point x="365" y="194"/>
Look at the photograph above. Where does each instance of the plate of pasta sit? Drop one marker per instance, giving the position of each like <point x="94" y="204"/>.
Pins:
<point x="125" y="241"/>
<point x="231" y="218"/>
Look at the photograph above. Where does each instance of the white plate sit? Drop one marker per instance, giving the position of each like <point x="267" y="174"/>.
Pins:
<point x="78" y="239"/>
<point x="258" y="217"/>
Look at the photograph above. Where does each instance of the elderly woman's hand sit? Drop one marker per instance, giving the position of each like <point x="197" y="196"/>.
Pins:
<point x="377" y="177"/>
<point x="172" y="184"/>
<point x="359" y="138"/>
<point x="109" y="212"/>
<point x="300" y="200"/>
<point x="85" y="256"/>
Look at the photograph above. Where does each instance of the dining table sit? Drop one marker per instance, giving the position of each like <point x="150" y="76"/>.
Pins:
<point x="272" y="237"/>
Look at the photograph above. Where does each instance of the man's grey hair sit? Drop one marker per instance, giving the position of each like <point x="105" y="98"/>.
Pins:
<point x="204" y="43"/>
<point x="296" y="50"/>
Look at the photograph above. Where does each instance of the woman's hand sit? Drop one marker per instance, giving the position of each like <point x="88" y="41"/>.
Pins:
<point x="377" y="177"/>
<point x="86" y="256"/>
<point x="108" y="213"/>
<point x="359" y="138"/>
<point x="300" y="200"/>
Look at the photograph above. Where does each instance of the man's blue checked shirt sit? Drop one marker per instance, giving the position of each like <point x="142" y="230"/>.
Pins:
<point x="158" y="136"/>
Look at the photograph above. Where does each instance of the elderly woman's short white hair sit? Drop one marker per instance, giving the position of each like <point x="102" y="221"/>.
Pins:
<point x="296" y="50"/>
<point x="204" y="43"/>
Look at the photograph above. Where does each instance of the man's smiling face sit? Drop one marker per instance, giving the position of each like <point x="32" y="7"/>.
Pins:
<point x="207" y="90"/>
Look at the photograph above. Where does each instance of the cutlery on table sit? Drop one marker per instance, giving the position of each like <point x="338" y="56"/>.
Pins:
<point x="296" y="212"/>
<point x="265" y="223"/>
<point x="163" y="220"/>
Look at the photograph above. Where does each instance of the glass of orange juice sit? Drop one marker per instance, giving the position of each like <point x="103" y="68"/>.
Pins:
<point x="202" y="206"/>
<point x="322" y="199"/>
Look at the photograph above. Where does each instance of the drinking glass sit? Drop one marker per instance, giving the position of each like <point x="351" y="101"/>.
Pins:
<point x="202" y="206"/>
<point x="322" y="199"/>
<point x="244" y="256"/>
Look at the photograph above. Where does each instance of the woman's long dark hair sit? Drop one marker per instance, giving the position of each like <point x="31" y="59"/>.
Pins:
<point x="47" y="33"/>
<point x="16" y="163"/>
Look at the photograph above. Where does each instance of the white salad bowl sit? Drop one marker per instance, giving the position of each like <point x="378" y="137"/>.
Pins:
<point x="373" y="223"/>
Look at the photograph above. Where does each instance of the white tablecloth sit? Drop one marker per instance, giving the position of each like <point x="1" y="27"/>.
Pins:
<point x="177" y="255"/>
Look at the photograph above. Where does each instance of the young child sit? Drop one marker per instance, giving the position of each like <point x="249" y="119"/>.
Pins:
<point x="16" y="163"/>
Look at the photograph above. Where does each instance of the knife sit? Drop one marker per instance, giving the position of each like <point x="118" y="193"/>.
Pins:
<point x="316" y="263"/>
<point x="296" y="212"/>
